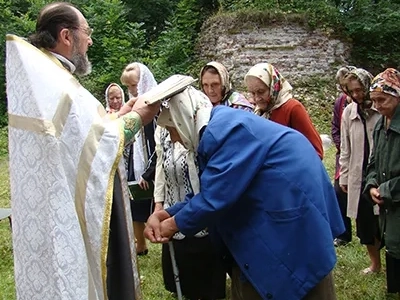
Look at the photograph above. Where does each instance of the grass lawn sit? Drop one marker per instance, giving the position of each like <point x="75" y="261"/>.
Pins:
<point x="351" y="259"/>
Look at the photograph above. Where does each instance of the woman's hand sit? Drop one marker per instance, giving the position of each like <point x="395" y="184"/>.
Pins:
<point x="153" y="227"/>
<point x="376" y="196"/>
<point x="168" y="228"/>
<point x="144" y="185"/>
<point x="344" y="188"/>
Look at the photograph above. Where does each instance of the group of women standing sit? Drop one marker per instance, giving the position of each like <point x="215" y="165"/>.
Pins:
<point x="202" y="272"/>
<point x="365" y="128"/>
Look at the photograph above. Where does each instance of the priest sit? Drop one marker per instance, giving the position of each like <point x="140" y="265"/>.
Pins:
<point x="72" y="230"/>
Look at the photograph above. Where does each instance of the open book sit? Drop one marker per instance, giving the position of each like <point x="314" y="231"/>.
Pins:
<point x="168" y="88"/>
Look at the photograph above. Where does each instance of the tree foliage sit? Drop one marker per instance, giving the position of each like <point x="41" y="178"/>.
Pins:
<point x="153" y="15"/>
<point x="116" y="43"/>
<point x="17" y="22"/>
<point x="375" y="32"/>
<point x="174" y="47"/>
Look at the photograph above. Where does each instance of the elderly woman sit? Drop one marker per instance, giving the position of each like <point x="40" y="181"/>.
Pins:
<point x="358" y="121"/>
<point x="201" y="272"/>
<point x="140" y="158"/>
<point x="383" y="173"/>
<point x="115" y="98"/>
<point x="215" y="83"/>
<point x="273" y="96"/>
<point x="340" y="104"/>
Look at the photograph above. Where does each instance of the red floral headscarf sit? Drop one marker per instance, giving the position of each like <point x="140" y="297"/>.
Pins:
<point x="387" y="82"/>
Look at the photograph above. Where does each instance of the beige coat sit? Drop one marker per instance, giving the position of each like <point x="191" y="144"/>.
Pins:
<point x="352" y="153"/>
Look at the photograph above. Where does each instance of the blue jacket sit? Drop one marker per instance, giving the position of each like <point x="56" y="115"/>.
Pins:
<point x="267" y="194"/>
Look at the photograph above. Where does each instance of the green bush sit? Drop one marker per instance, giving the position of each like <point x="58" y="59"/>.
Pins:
<point x="173" y="52"/>
<point x="12" y="21"/>
<point x="116" y="43"/>
<point x="375" y="31"/>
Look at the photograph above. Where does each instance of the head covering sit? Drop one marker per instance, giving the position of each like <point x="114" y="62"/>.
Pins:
<point x="363" y="76"/>
<point x="108" y="109"/>
<point x="223" y="74"/>
<point x="188" y="112"/>
<point x="280" y="90"/>
<point x="387" y="82"/>
<point x="341" y="74"/>
<point x="365" y="79"/>
<point x="146" y="80"/>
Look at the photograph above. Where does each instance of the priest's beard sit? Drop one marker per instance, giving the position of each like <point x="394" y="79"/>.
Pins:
<point x="81" y="61"/>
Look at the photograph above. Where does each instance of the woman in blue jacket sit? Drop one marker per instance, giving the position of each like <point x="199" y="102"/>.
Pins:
<point x="266" y="199"/>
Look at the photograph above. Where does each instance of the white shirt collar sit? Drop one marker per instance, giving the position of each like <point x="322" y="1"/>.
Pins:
<point x="66" y="63"/>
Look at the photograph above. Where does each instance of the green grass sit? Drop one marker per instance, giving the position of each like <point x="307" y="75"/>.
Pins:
<point x="351" y="259"/>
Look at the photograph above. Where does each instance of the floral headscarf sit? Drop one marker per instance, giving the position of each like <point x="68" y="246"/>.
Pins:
<point x="108" y="109"/>
<point x="387" y="82"/>
<point x="280" y="90"/>
<point x="188" y="112"/>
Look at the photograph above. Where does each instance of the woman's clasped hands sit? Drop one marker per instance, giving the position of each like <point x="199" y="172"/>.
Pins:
<point x="160" y="227"/>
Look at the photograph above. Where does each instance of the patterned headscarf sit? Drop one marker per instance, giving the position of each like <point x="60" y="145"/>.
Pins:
<point x="188" y="111"/>
<point x="108" y="109"/>
<point x="223" y="74"/>
<point x="365" y="79"/>
<point x="341" y="74"/>
<point x="387" y="82"/>
<point x="280" y="90"/>
<point x="363" y="76"/>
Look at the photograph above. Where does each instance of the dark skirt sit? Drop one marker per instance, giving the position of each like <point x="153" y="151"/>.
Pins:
<point x="342" y="201"/>
<point x="367" y="224"/>
<point x="141" y="210"/>
<point x="201" y="271"/>
<point x="392" y="274"/>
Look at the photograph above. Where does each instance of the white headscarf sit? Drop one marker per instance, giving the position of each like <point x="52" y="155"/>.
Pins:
<point x="106" y="96"/>
<point x="188" y="112"/>
<point x="146" y="80"/>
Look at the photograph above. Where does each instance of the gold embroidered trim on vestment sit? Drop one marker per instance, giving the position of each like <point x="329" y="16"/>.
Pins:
<point x="107" y="211"/>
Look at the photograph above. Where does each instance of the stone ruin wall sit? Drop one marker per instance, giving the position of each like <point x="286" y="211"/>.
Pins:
<point x="296" y="51"/>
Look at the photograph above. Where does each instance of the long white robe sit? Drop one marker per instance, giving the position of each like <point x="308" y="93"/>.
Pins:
<point x="63" y="159"/>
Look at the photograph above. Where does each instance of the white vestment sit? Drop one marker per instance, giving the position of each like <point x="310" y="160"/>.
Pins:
<point x="63" y="156"/>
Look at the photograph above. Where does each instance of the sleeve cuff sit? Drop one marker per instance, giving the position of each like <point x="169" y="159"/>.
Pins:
<point x="173" y="210"/>
<point x="158" y="199"/>
<point x="384" y="191"/>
